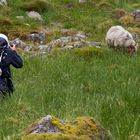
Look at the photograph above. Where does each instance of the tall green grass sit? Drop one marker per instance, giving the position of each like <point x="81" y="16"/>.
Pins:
<point x="67" y="85"/>
<point x="71" y="84"/>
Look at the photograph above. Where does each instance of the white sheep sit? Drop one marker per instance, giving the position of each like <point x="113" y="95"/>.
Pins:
<point x="118" y="37"/>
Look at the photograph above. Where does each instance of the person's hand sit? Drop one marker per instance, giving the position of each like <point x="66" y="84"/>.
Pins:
<point x="13" y="47"/>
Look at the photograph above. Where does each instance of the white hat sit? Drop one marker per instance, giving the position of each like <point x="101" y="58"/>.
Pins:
<point x="5" y="37"/>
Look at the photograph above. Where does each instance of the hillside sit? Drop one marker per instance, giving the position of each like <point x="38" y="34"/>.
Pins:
<point x="89" y="81"/>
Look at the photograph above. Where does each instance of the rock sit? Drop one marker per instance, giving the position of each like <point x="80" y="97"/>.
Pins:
<point x="57" y="43"/>
<point x="27" y="24"/>
<point x="95" y="44"/>
<point x="43" y="48"/>
<point x="20" y="17"/>
<point x="74" y="41"/>
<point x="19" y="43"/>
<point x="136" y="15"/>
<point x="82" y="1"/>
<point x="81" y="35"/>
<point x="3" y="2"/>
<point x="77" y="40"/>
<point x="35" y="15"/>
<point x="78" y="44"/>
<point x="49" y="128"/>
<point x="28" y="48"/>
<point x="37" y="37"/>
<point x="70" y="47"/>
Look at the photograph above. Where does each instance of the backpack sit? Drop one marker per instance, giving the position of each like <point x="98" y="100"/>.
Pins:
<point x="3" y="84"/>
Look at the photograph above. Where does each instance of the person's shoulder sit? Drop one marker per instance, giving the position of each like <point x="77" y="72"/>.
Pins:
<point x="9" y="52"/>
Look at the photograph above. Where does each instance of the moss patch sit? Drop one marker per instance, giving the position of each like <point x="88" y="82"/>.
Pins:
<point x="35" y="5"/>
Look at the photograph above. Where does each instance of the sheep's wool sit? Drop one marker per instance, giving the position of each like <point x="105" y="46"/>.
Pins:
<point x="117" y="36"/>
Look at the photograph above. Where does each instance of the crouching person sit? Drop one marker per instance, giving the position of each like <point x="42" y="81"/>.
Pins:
<point x="8" y="56"/>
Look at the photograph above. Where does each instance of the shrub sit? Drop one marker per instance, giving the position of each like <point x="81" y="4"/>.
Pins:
<point x="35" y="5"/>
<point x="105" y="25"/>
<point x="5" y="11"/>
<point x="118" y="13"/>
<point x="127" y="20"/>
<point x="5" y="21"/>
<point x="88" y="52"/>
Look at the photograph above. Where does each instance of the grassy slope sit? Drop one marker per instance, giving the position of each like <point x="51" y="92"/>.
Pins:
<point x="106" y="87"/>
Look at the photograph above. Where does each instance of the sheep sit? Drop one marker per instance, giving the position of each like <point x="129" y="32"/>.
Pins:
<point x="118" y="37"/>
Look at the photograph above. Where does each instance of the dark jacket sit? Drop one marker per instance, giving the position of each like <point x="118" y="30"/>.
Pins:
<point x="9" y="57"/>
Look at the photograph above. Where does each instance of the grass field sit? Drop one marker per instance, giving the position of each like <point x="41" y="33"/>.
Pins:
<point x="68" y="85"/>
<point x="103" y="84"/>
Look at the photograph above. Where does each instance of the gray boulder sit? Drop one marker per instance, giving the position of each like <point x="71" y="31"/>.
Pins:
<point x="136" y="15"/>
<point x="82" y="128"/>
<point x="3" y="2"/>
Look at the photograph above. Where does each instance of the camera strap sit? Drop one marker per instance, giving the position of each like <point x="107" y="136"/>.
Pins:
<point x="0" y="62"/>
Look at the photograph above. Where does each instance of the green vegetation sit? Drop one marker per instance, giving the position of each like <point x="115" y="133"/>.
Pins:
<point x="99" y="83"/>
<point x="68" y="86"/>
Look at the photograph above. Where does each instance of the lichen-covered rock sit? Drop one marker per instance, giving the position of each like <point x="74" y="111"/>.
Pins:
<point x="37" y="37"/>
<point x="51" y="128"/>
<point x="136" y="15"/>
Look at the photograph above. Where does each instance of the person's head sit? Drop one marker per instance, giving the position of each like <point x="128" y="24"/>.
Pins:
<point x="3" y="41"/>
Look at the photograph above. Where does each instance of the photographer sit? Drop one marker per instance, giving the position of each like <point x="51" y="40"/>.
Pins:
<point x="8" y="56"/>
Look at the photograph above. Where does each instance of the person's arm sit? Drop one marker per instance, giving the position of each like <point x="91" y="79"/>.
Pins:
<point x="16" y="60"/>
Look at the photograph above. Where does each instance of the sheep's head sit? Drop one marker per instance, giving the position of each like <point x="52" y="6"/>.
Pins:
<point x="131" y="44"/>
<point x="132" y="49"/>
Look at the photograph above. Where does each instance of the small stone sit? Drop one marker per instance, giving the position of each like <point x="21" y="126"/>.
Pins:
<point x="43" y="48"/>
<point x="20" y="17"/>
<point x="34" y="15"/>
<point x="82" y="1"/>
<point x="95" y="44"/>
<point x="70" y="47"/>
<point x="81" y="35"/>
